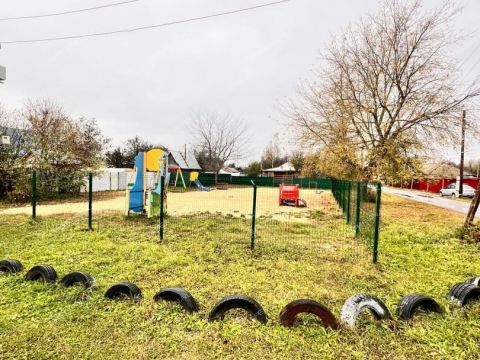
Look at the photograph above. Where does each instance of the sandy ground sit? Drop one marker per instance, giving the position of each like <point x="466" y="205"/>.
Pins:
<point x="234" y="201"/>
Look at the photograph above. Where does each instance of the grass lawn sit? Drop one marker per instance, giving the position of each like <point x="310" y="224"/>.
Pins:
<point x="418" y="254"/>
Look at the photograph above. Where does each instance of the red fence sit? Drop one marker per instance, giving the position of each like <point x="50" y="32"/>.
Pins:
<point x="435" y="186"/>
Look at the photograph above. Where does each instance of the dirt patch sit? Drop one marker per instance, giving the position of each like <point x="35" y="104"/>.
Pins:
<point x="235" y="202"/>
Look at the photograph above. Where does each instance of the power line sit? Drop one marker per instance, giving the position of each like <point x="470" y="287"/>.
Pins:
<point x="67" y="12"/>
<point x="145" y="27"/>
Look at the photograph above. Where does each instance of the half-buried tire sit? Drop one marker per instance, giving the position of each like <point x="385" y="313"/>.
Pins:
<point x="474" y="280"/>
<point x="237" y="302"/>
<point x="289" y="313"/>
<point x="410" y="304"/>
<point x="124" y="290"/>
<point x="356" y="304"/>
<point x="78" y="277"/>
<point x="180" y="296"/>
<point x="10" y="266"/>
<point x="46" y="273"/>
<point x="464" y="293"/>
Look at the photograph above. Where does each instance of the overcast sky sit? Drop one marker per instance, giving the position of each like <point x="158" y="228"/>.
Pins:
<point x="148" y="83"/>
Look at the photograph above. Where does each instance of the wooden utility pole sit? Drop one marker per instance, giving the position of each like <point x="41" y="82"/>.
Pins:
<point x="462" y="152"/>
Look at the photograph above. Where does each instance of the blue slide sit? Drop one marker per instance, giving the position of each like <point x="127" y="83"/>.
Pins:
<point x="200" y="186"/>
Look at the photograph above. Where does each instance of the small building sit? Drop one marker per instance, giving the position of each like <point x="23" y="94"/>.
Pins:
<point x="284" y="170"/>
<point x="227" y="170"/>
<point x="182" y="165"/>
<point x="10" y="136"/>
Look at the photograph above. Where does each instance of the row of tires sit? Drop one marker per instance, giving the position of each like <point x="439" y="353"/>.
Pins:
<point x="461" y="294"/>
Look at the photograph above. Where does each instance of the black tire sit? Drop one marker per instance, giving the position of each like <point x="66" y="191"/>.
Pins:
<point x="237" y="302"/>
<point x="474" y="280"/>
<point x="78" y="277"/>
<point x="43" y="272"/>
<point x="124" y="289"/>
<point x="289" y="313"/>
<point x="178" y="295"/>
<point x="361" y="302"/>
<point x="411" y="303"/>
<point x="10" y="266"/>
<point x="463" y="293"/>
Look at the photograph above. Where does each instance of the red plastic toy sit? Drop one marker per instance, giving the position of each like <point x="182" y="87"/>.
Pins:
<point x="289" y="194"/>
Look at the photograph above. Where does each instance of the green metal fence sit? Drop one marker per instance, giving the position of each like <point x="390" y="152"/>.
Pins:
<point x="208" y="179"/>
<point x="360" y="203"/>
<point x="339" y="218"/>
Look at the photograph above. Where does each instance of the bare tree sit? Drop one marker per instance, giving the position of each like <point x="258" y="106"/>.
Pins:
<point x="473" y="167"/>
<point x="218" y="139"/>
<point x="272" y="155"/>
<point x="388" y="88"/>
<point x="11" y="168"/>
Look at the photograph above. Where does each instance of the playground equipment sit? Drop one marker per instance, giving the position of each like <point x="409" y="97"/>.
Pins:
<point x="186" y="167"/>
<point x="289" y="194"/>
<point x="178" y="174"/>
<point x="143" y="194"/>
<point x="140" y="195"/>
<point x="200" y="186"/>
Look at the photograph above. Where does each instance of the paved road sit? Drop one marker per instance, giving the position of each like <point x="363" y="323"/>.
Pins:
<point x="432" y="199"/>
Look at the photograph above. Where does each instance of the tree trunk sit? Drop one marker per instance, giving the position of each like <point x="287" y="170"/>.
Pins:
<point x="473" y="208"/>
<point x="216" y="178"/>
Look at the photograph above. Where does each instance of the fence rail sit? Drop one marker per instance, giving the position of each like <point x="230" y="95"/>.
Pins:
<point x="336" y="217"/>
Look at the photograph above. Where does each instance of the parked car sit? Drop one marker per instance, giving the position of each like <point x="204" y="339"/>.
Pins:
<point x="453" y="191"/>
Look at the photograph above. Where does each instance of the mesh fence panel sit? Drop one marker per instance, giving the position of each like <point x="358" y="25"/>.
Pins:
<point x="227" y="207"/>
<point x="329" y="217"/>
<point x="316" y="223"/>
<point x="59" y="195"/>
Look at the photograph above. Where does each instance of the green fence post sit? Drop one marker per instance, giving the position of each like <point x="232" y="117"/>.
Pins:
<point x="349" y="193"/>
<point x="162" y="194"/>
<point x="377" y="222"/>
<point x="254" y="213"/>
<point x="340" y="196"/>
<point x="357" y="209"/>
<point x="90" y="200"/>
<point x="34" y="194"/>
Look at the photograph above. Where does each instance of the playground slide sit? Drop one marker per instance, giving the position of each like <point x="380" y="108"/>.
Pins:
<point x="200" y="186"/>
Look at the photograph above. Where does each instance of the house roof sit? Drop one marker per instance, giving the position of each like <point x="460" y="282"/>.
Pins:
<point x="442" y="170"/>
<point x="192" y="162"/>
<point x="188" y="163"/>
<point x="287" y="167"/>
<point x="229" y="170"/>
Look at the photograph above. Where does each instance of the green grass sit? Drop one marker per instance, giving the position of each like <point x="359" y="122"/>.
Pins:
<point x="211" y="258"/>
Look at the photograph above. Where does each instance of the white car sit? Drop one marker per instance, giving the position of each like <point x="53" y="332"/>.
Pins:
<point x="453" y="191"/>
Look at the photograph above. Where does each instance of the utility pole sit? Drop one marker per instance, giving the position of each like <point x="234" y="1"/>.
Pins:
<point x="462" y="152"/>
